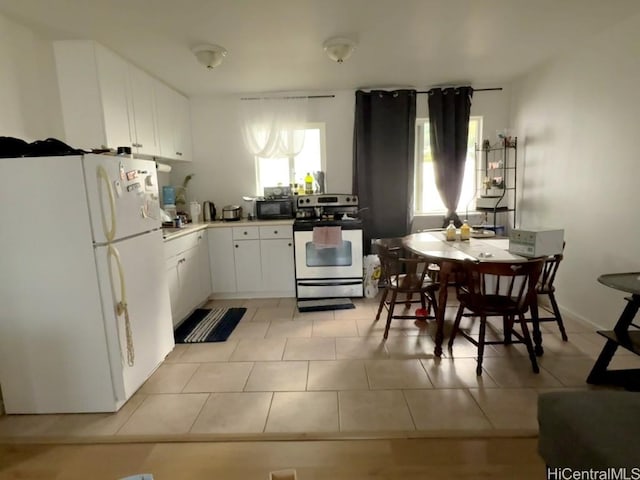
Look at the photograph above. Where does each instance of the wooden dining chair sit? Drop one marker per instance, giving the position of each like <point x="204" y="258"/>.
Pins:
<point x="404" y="276"/>
<point x="498" y="289"/>
<point x="545" y="287"/>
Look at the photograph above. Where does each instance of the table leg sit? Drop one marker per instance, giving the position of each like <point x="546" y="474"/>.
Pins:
<point x="600" y="373"/>
<point x="628" y="314"/>
<point x="443" y="292"/>
<point x="599" y="370"/>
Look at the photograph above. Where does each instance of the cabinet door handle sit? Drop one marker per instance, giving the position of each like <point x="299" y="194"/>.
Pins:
<point x="275" y="232"/>
<point x="199" y="237"/>
<point x="245" y="233"/>
<point x="236" y="245"/>
<point x="179" y="154"/>
<point x="289" y="244"/>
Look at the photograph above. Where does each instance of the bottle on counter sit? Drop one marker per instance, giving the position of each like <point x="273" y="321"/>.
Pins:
<point x="308" y="184"/>
<point x="465" y="231"/>
<point x="451" y="231"/>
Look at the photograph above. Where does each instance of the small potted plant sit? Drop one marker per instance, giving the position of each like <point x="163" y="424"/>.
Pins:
<point x="181" y="194"/>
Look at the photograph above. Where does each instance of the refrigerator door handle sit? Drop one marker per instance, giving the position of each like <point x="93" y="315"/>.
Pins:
<point x="109" y="233"/>
<point x="121" y="306"/>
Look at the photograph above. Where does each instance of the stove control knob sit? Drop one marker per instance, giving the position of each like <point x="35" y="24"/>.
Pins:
<point x="308" y="200"/>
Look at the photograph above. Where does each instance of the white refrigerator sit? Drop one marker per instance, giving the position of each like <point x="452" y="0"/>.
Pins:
<point x="85" y="317"/>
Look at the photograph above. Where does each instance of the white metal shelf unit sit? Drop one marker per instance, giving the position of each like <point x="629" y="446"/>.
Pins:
<point x="496" y="179"/>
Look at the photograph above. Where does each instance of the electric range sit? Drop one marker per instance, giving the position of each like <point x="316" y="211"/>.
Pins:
<point x="334" y="269"/>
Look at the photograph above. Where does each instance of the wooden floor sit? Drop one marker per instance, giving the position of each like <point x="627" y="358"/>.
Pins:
<point x="402" y="459"/>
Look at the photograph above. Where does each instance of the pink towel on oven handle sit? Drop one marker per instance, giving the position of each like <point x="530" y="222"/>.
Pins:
<point x="327" y="237"/>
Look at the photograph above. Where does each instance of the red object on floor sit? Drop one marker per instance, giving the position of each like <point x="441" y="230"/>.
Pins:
<point x="422" y="312"/>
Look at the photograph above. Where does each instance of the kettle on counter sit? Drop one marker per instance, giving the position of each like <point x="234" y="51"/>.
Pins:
<point x="208" y="211"/>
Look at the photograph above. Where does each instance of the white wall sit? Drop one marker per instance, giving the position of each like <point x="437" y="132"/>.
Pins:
<point x="577" y="119"/>
<point x="225" y="171"/>
<point x="29" y="103"/>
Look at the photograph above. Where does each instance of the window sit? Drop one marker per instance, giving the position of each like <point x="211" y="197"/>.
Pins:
<point x="427" y="198"/>
<point x="272" y="172"/>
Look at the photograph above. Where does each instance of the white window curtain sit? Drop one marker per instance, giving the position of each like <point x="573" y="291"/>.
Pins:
<point x="274" y="127"/>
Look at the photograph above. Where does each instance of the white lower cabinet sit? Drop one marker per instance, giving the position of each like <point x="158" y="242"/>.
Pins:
<point x="187" y="267"/>
<point x="203" y="265"/>
<point x="252" y="261"/>
<point x="171" y="267"/>
<point x="277" y="264"/>
<point x="246" y="254"/>
<point x="222" y="265"/>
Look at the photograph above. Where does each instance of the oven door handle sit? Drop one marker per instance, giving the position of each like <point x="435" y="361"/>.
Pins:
<point x="328" y="284"/>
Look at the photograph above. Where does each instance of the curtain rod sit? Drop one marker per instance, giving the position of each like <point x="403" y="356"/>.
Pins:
<point x="474" y="89"/>
<point x="287" y="98"/>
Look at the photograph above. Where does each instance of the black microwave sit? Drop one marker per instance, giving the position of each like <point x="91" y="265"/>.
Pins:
<point x="274" y="209"/>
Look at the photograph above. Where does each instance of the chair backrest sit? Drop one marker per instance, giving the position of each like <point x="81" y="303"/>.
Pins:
<point x="485" y="283"/>
<point x="548" y="275"/>
<point x="396" y="262"/>
<point x="386" y="243"/>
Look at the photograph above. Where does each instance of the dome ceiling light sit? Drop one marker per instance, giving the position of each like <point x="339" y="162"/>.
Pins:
<point x="339" y="48"/>
<point x="209" y="55"/>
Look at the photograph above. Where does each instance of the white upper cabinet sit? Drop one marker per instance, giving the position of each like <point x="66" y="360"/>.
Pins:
<point x="174" y="123"/>
<point x="165" y="119"/>
<point x="143" y="111"/>
<point x="109" y="103"/>
<point x="113" y="77"/>
<point x="184" y="149"/>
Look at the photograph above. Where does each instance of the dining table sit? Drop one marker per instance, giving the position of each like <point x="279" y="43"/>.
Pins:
<point x="481" y="247"/>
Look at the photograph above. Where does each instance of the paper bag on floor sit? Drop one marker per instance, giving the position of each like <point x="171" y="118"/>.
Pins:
<point x="371" y="275"/>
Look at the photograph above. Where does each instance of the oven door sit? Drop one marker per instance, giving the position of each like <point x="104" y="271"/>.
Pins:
<point x="324" y="263"/>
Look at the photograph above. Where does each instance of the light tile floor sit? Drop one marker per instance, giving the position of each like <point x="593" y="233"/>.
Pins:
<point x="282" y="372"/>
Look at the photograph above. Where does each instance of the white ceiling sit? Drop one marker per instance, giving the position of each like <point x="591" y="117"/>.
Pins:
<point x="276" y="45"/>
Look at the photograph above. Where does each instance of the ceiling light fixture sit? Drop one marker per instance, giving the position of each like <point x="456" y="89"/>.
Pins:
<point x="209" y="55"/>
<point x="339" y="48"/>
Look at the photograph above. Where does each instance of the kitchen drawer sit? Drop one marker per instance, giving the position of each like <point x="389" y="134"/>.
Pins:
<point x="246" y="233"/>
<point x="276" y="231"/>
<point x="181" y="244"/>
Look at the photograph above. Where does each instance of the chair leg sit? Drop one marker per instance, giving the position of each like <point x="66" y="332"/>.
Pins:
<point x="392" y="304"/>
<point x="433" y="303"/>
<point x="556" y="312"/>
<point x="382" y="300"/>
<point x="483" y="327"/>
<point x="529" y="344"/>
<point x="456" y="325"/>
<point x="507" y="326"/>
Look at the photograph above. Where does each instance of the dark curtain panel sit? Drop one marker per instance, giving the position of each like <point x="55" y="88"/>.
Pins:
<point x="383" y="161"/>
<point x="449" y="111"/>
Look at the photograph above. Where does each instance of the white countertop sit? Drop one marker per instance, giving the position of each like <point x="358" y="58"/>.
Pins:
<point x="173" y="233"/>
